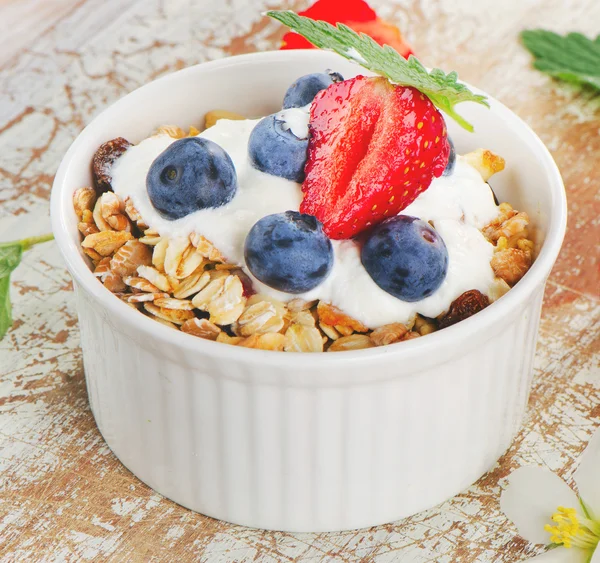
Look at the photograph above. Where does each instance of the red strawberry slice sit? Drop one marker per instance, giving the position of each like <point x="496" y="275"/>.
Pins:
<point x="356" y="14"/>
<point x="374" y="147"/>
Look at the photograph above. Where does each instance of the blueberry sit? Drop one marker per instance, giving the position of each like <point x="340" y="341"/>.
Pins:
<point x="289" y="252"/>
<point x="190" y="174"/>
<point x="274" y="149"/>
<point x="406" y="257"/>
<point x="304" y="90"/>
<point x="451" y="159"/>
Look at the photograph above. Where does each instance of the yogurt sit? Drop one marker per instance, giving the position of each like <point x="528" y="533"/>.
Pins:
<point x="458" y="206"/>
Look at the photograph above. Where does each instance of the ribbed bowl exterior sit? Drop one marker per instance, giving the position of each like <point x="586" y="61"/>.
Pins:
<point x="254" y="446"/>
<point x="307" y="442"/>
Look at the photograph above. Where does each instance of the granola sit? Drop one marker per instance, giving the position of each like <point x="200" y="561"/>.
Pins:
<point x="186" y="283"/>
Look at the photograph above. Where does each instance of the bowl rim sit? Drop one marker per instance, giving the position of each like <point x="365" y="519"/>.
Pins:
<point x="460" y="332"/>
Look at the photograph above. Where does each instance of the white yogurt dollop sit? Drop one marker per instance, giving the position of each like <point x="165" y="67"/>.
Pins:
<point x="296" y="120"/>
<point x="458" y="205"/>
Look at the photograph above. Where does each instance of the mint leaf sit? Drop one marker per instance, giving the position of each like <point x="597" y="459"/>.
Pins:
<point x="572" y="57"/>
<point x="441" y="88"/>
<point x="10" y="258"/>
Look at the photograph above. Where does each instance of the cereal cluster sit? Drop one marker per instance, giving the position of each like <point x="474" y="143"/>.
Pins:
<point x="186" y="284"/>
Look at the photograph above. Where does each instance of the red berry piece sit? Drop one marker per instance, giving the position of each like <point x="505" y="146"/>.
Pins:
<point x="374" y="147"/>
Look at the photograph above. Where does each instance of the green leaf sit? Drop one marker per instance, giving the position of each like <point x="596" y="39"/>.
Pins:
<point x="573" y="57"/>
<point x="441" y="88"/>
<point x="10" y="256"/>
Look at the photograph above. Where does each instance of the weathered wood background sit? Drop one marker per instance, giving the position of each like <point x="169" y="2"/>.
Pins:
<point x="63" y="495"/>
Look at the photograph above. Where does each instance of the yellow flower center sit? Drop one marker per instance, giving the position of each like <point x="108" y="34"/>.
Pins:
<point x="571" y="530"/>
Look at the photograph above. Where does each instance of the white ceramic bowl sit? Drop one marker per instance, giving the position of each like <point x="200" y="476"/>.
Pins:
<point x="307" y="442"/>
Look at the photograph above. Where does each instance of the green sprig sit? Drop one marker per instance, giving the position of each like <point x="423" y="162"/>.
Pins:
<point x="442" y="89"/>
<point x="573" y="57"/>
<point x="10" y="258"/>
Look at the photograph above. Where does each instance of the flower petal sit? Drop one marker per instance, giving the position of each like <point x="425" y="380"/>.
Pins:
<point x="532" y="496"/>
<point x="587" y="476"/>
<point x="596" y="557"/>
<point x="563" y="555"/>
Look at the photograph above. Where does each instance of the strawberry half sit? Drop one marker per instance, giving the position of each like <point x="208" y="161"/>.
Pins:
<point x="374" y="147"/>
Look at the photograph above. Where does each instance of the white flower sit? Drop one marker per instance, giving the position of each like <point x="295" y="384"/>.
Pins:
<point x="545" y="510"/>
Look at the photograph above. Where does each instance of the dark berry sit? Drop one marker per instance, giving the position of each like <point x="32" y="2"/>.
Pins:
<point x="274" y="149"/>
<point x="189" y="175"/>
<point x="464" y="306"/>
<point x="289" y="252"/>
<point x="494" y="195"/>
<point x="304" y="90"/>
<point x="451" y="159"/>
<point x="103" y="161"/>
<point x="406" y="257"/>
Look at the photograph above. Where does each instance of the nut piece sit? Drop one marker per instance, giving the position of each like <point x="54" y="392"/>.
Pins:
<point x="463" y="307"/>
<point x="202" y="328"/>
<point x="300" y="338"/>
<point x="84" y="198"/>
<point x="333" y="316"/>
<point x="388" y="334"/>
<point x="485" y="162"/>
<point x="508" y="225"/>
<point x="106" y="242"/>
<point x="129" y="257"/>
<point x="352" y="342"/>
<point x="511" y="264"/>
<point x="103" y="160"/>
<point x="213" y="116"/>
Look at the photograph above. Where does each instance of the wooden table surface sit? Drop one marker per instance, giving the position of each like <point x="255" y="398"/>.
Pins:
<point x="63" y="495"/>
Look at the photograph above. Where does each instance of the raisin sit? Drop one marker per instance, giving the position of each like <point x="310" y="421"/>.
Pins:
<point x="463" y="307"/>
<point x="103" y="161"/>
